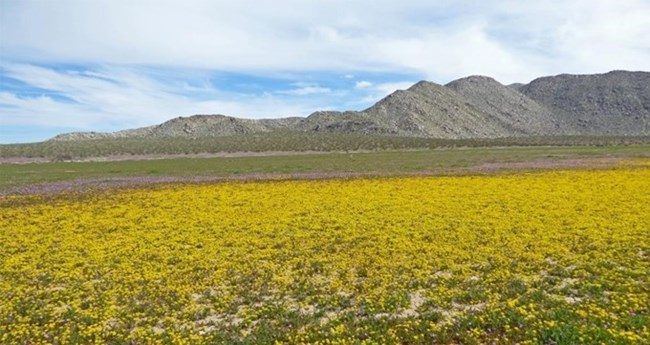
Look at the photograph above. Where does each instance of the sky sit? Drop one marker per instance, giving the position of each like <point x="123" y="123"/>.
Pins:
<point x="106" y="65"/>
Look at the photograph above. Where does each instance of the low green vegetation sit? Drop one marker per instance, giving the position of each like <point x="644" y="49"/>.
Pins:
<point x="432" y="161"/>
<point x="279" y="141"/>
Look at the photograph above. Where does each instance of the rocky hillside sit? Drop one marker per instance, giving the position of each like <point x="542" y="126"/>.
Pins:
<point x="193" y="126"/>
<point x="511" y="111"/>
<point x="615" y="103"/>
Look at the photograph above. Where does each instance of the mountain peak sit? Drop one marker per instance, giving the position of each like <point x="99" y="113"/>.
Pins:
<point x="474" y="80"/>
<point x="423" y="85"/>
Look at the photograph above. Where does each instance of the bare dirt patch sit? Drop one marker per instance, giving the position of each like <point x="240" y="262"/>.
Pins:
<point x="550" y="164"/>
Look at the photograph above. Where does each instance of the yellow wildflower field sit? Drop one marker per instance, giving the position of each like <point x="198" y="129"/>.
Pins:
<point x="559" y="257"/>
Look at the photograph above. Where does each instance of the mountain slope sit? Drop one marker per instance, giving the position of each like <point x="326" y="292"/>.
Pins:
<point x="457" y="110"/>
<point x="504" y="106"/>
<point x="614" y="103"/>
<point x="193" y="127"/>
<point x="431" y="110"/>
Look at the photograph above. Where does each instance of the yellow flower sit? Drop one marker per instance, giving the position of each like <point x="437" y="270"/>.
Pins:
<point x="334" y="261"/>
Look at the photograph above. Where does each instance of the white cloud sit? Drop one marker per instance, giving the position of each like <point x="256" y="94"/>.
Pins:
<point x="362" y="84"/>
<point x="510" y="40"/>
<point x="304" y="89"/>
<point x="112" y="99"/>
<point x="442" y="40"/>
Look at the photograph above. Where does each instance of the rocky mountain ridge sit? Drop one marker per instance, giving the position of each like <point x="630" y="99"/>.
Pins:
<point x="614" y="103"/>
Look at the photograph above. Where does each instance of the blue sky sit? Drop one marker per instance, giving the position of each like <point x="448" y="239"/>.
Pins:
<point x="108" y="65"/>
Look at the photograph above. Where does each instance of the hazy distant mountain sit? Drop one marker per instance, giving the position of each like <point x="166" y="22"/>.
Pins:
<point x="615" y="103"/>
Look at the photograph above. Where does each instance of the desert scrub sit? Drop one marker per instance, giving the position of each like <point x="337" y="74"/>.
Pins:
<point x="284" y="141"/>
<point x="539" y="258"/>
